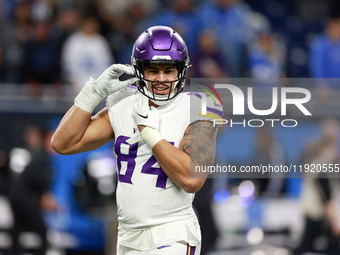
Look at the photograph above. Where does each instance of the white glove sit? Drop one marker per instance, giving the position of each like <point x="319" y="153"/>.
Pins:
<point x="145" y="115"/>
<point x="107" y="84"/>
<point x="148" y="117"/>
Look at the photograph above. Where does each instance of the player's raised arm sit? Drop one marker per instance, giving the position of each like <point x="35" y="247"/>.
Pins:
<point x="199" y="142"/>
<point x="197" y="148"/>
<point x="79" y="131"/>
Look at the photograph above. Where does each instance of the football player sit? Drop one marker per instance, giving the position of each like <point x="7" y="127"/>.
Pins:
<point x="157" y="142"/>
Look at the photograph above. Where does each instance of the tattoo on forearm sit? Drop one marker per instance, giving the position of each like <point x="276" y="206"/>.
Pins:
<point x="199" y="142"/>
<point x="186" y="148"/>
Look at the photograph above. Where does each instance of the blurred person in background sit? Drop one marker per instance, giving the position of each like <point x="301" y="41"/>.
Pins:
<point x="228" y="20"/>
<point x="269" y="152"/>
<point x="317" y="199"/>
<point x="324" y="61"/>
<point x="85" y="53"/>
<point x="127" y="19"/>
<point x="266" y="53"/>
<point x="67" y="21"/>
<point x="122" y="34"/>
<point x="29" y="192"/>
<point x="41" y="60"/>
<point x="15" y="29"/>
<point x="184" y="17"/>
<point x="208" y="59"/>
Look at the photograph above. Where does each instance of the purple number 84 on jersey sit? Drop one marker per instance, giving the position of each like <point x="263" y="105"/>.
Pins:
<point x="129" y="157"/>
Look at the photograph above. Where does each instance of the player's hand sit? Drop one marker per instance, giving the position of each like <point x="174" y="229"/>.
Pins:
<point x="147" y="120"/>
<point x="108" y="82"/>
<point x="145" y="115"/>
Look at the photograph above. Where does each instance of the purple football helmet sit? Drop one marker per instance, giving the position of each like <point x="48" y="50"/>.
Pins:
<point x="160" y="45"/>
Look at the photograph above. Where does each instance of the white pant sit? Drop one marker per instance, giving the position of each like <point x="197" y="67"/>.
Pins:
<point x="178" y="248"/>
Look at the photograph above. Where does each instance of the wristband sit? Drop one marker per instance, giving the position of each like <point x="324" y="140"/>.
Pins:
<point x="151" y="136"/>
<point x="88" y="98"/>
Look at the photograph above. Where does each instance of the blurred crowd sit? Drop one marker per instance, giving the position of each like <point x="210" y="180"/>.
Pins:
<point x="65" y="42"/>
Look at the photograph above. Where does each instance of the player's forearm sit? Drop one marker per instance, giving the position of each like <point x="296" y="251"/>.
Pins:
<point x="176" y="164"/>
<point x="70" y="130"/>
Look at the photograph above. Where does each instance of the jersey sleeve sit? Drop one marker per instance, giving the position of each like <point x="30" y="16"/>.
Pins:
<point x="204" y="107"/>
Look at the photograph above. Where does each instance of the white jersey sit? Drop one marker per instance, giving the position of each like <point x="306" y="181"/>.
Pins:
<point x="146" y="197"/>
